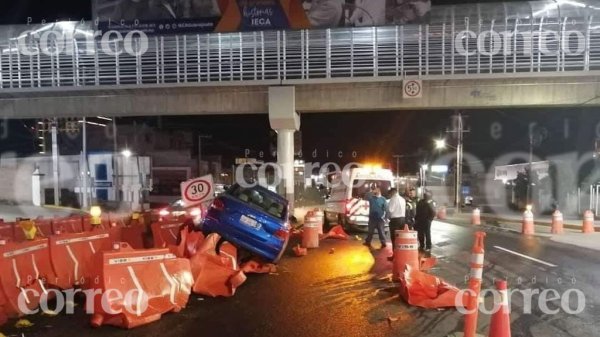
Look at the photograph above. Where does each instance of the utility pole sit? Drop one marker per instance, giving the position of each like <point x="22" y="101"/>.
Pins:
<point x="397" y="156"/>
<point x="530" y="175"/>
<point x="55" y="156"/>
<point x="116" y="186"/>
<point x="85" y="203"/>
<point x="459" y="129"/>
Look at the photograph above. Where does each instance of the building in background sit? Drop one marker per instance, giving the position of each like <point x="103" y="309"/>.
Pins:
<point x="117" y="181"/>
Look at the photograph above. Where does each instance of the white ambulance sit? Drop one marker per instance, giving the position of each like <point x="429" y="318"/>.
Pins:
<point x="346" y="204"/>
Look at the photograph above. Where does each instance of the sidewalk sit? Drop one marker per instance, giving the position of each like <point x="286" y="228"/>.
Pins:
<point x="540" y="220"/>
<point x="513" y="223"/>
<point x="11" y="212"/>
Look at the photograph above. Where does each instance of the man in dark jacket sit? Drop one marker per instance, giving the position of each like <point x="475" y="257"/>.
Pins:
<point x="411" y="207"/>
<point x="424" y="217"/>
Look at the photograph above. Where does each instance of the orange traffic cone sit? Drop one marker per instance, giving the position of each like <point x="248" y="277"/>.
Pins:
<point x="500" y="324"/>
<point x="588" y="222"/>
<point x="472" y="296"/>
<point x="476" y="217"/>
<point x="406" y="251"/>
<point x="300" y="251"/>
<point x="557" y="222"/>
<point x="442" y="213"/>
<point x="528" y="227"/>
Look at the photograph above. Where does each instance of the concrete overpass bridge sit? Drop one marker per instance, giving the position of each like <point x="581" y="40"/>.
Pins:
<point x="539" y="53"/>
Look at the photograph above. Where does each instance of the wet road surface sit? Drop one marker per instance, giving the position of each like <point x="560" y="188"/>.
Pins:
<point x="349" y="293"/>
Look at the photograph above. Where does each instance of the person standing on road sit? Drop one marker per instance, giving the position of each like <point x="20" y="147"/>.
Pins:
<point x="377" y="206"/>
<point x="411" y="207"/>
<point x="424" y="217"/>
<point x="396" y="212"/>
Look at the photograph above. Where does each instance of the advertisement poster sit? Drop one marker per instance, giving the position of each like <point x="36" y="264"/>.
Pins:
<point x="204" y="16"/>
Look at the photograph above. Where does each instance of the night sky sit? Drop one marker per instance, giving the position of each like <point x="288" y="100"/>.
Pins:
<point x="375" y="136"/>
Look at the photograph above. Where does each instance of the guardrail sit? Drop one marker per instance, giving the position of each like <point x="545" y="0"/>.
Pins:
<point x="460" y="48"/>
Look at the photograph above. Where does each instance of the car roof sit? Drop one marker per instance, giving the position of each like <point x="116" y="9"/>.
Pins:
<point x="269" y="192"/>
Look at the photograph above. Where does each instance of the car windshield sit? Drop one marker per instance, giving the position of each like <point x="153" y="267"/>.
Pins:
<point x="363" y="186"/>
<point x="259" y="199"/>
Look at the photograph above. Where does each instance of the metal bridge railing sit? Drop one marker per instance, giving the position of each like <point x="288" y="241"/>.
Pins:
<point x="528" y="47"/>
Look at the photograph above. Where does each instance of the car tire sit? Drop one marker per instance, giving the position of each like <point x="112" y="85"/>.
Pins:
<point x="326" y="223"/>
<point x="342" y="221"/>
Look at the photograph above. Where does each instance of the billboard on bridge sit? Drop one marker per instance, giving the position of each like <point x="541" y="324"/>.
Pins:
<point x="193" y="16"/>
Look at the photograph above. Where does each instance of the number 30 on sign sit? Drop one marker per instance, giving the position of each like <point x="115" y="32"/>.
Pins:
<point x="197" y="190"/>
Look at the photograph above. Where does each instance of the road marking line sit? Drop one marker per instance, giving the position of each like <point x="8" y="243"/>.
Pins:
<point x="526" y="257"/>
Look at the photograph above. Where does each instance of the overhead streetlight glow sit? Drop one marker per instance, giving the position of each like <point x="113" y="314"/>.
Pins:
<point x="126" y="153"/>
<point x="440" y="144"/>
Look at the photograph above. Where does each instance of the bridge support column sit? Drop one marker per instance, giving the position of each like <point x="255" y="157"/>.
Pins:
<point x="285" y="121"/>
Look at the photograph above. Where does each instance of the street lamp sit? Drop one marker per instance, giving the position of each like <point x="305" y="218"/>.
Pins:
<point x="440" y="144"/>
<point x="126" y="153"/>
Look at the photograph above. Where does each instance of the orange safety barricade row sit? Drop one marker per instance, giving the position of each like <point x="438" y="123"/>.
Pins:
<point x="72" y="224"/>
<point x="24" y="267"/>
<point x="152" y="282"/>
<point x="43" y="228"/>
<point x="165" y="233"/>
<point x="72" y="255"/>
<point x="134" y="236"/>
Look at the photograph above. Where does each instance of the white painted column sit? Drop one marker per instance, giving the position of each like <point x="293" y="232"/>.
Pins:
<point x="37" y="197"/>
<point x="285" y="160"/>
<point x="284" y="119"/>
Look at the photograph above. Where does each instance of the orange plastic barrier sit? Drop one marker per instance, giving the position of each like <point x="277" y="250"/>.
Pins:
<point x="152" y="282"/>
<point x="528" y="225"/>
<point x="427" y="291"/>
<point x="427" y="263"/>
<point x="442" y="213"/>
<point x="72" y="224"/>
<point x="588" y="222"/>
<point x="557" y="223"/>
<point x="72" y="256"/>
<point x="165" y="233"/>
<point x="337" y="232"/>
<point x="476" y="217"/>
<point x="500" y="323"/>
<point x="7" y="230"/>
<point x="134" y="236"/>
<point x="216" y="274"/>
<point x="189" y="243"/>
<point x="193" y="242"/>
<point x="24" y="266"/>
<point x="258" y="267"/>
<point x="472" y="298"/>
<point x="43" y="228"/>
<point x="310" y="236"/>
<point x="406" y="251"/>
<point x="86" y="223"/>
<point x="299" y="251"/>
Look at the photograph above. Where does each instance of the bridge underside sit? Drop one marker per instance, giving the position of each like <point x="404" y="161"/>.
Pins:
<point x="378" y="94"/>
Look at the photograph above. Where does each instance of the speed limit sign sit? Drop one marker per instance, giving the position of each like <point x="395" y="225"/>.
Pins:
<point x="412" y="89"/>
<point x="197" y="190"/>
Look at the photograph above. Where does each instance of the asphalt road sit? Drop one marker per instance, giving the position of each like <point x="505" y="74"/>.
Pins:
<point x="349" y="293"/>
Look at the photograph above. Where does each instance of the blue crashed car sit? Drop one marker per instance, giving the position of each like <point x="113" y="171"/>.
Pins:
<point x="252" y="218"/>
